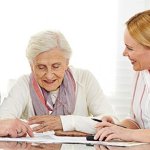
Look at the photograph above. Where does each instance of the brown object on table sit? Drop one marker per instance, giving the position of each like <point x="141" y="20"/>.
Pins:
<point x="69" y="133"/>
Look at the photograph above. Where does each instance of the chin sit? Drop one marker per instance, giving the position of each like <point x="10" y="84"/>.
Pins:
<point x="49" y="89"/>
<point x="137" y="69"/>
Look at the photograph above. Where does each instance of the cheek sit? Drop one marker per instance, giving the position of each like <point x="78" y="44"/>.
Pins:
<point x="37" y="74"/>
<point x="60" y="74"/>
<point x="145" y="61"/>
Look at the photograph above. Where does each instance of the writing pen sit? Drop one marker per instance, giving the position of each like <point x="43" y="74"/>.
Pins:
<point x="98" y="120"/>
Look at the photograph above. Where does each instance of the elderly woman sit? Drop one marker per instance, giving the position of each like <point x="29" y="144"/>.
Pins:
<point x="14" y="128"/>
<point x="137" y="43"/>
<point x="55" y="95"/>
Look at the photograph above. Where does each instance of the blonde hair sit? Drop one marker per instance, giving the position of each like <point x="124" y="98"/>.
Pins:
<point x="45" y="41"/>
<point x="139" y="27"/>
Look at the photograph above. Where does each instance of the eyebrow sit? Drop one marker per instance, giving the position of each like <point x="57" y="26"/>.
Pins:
<point x="128" y="46"/>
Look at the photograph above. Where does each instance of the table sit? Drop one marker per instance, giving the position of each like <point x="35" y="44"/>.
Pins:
<point x="41" y="146"/>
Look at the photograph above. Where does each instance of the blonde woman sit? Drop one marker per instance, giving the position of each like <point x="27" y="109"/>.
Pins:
<point x="137" y="49"/>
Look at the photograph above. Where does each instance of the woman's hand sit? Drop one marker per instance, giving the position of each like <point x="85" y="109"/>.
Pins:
<point x="46" y="123"/>
<point x="14" y="128"/>
<point x="108" y="119"/>
<point x="107" y="131"/>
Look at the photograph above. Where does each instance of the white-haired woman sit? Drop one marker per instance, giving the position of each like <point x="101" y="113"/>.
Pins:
<point x="55" y="95"/>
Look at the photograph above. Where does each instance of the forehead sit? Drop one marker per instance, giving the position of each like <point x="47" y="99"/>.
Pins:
<point x="129" y="40"/>
<point x="51" y="56"/>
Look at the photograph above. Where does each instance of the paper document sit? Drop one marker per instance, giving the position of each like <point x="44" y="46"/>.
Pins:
<point x="49" y="137"/>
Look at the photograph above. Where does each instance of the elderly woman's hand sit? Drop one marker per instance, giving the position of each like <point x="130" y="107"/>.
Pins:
<point x="46" y="123"/>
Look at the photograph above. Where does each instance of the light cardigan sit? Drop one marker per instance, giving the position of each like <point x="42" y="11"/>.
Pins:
<point x="140" y="105"/>
<point x="90" y="100"/>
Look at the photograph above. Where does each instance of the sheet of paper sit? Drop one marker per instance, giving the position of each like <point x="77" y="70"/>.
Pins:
<point x="49" y="137"/>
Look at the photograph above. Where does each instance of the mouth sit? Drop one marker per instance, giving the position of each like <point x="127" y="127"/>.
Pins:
<point x="49" y="81"/>
<point x="132" y="61"/>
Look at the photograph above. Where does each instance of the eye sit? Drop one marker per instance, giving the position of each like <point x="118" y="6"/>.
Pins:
<point x="130" y="49"/>
<point x="41" y="67"/>
<point x="55" y="66"/>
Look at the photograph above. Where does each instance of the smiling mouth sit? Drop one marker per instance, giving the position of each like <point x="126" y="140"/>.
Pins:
<point x="49" y="82"/>
<point x="132" y="61"/>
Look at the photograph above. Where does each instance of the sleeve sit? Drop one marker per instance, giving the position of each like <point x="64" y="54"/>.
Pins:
<point x="78" y="123"/>
<point x="14" y="104"/>
<point x="97" y="106"/>
<point x="97" y="102"/>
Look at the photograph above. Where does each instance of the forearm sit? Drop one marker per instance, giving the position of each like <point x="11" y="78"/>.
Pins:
<point x="130" y="124"/>
<point x="78" y="123"/>
<point x="141" y="135"/>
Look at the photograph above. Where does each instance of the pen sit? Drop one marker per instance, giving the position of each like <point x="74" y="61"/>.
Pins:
<point x="98" y="120"/>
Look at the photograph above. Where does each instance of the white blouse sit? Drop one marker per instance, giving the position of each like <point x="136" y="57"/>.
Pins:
<point x="90" y="101"/>
<point x="140" y="106"/>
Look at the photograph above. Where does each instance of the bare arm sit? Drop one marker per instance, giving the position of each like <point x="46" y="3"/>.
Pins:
<point x="130" y="124"/>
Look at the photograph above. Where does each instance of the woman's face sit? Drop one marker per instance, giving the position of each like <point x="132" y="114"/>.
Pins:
<point x="49" y="68"/>
<point x="137" y="53"/>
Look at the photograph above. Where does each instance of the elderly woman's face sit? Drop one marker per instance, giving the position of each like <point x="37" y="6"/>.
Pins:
<point x="49" y="68"/>
<point x="137" y="53"/>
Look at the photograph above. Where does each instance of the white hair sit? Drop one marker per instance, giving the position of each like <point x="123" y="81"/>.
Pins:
<point x="45" y="41"/>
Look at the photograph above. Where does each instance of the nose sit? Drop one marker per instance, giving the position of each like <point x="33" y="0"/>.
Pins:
<point x="125" y="52"/>
<point x="49" y="74"/>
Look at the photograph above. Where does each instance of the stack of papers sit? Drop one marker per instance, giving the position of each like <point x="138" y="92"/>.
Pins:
<point x="49" y="137"/>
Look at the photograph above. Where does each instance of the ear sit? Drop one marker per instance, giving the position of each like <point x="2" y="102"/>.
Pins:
<point x="67" y="63"/>
<point x="31" y="66"/>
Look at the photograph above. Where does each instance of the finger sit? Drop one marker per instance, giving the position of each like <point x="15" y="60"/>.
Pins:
<point x="99" y="128"/>
<point x="104" y="135"/>
<point x="38" y="127"/>
<point x="103" y="124"/>
<point x="44" y="129"/>
<point x="33" y="117"/>
<point x="22" y="130"/>
<point x="35" y="121"/>
<point x="107" y="119"/>
<point x="111" y="137"/>
<point x="98" y="134"/>
<point x="28" y="129"/>
<point x="30" y="132"/>
<point x="12" y="133"/>
<point x="38" y="117"/>
<point x="20" y="133"/>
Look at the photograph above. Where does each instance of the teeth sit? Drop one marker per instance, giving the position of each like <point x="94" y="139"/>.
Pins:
<point x="132" y="61"/>
<point x="50" y="81"/>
